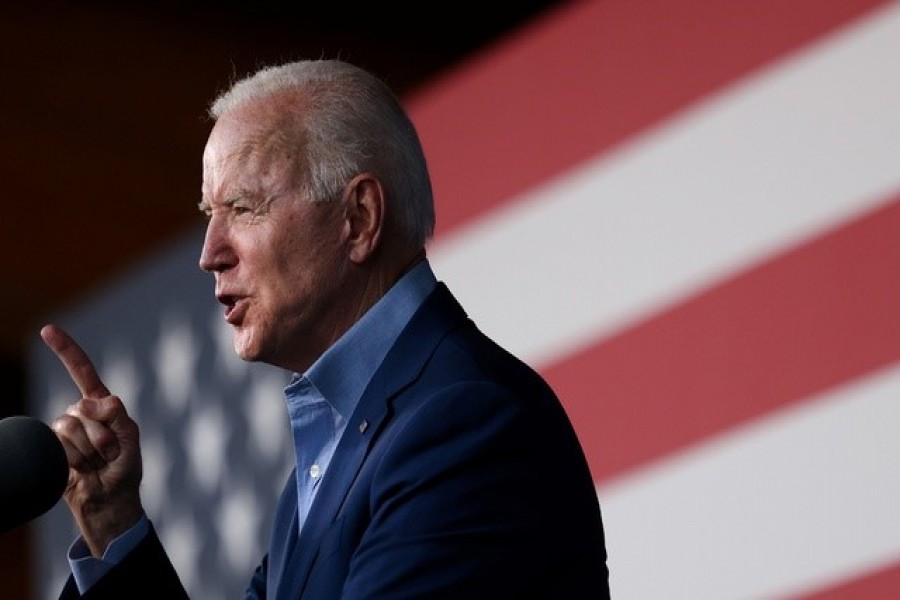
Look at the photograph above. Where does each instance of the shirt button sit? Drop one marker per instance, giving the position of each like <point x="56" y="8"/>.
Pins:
<point x="314" y="471"/>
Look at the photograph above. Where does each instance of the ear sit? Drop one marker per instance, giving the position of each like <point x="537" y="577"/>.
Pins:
<point x="364" y="208"/>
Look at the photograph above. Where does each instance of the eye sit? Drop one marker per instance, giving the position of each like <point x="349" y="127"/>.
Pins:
<point x="241" y="206"/>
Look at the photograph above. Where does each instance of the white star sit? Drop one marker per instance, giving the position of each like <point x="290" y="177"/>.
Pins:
<point x="120" y="374"/>
<point x="176" y="354"/>
<point x="157" y="468"/>
<point x="238" y="524"/>
<point x="182" y="541"/>
<point x="205" y="438"/>
<point x="265" y="412"/>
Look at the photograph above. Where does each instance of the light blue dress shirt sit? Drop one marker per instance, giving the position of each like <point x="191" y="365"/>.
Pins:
<point x="319" y="402"/>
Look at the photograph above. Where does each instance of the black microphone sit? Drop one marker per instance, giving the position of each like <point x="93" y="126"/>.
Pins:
<point x="33" y="470"/>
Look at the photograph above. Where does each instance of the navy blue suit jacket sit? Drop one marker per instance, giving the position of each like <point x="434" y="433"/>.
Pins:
<point x="459" y="476"/>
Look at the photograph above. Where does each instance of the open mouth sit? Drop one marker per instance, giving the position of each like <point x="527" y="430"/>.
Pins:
<point x="235" y="308"/>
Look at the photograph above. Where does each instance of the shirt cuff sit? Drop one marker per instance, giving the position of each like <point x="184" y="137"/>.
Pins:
<point x="87" y="569"/>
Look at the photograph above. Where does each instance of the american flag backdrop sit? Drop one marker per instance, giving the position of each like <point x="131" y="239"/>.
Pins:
<point x="686" y="215"/>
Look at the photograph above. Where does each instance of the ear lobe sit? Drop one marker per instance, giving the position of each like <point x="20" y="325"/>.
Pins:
<point x="364" y="208"/>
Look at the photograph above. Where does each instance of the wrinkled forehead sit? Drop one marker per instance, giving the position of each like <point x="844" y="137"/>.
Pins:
<point x="242" y="146"/>
<point x="260" y="124"/>
<point x="244" y="133"/>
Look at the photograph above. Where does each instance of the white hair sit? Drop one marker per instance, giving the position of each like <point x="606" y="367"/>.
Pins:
<point x="350" y="122"/>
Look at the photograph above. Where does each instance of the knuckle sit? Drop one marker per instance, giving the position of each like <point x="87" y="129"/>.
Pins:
<point x="66" y="425"/>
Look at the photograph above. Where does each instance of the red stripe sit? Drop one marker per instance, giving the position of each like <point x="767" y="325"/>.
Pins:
<point x="588" y="76"/>
<point x="811" y="318"/>
<point x="884" y="583"/>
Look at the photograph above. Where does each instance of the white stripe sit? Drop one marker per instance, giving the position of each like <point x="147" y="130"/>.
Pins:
<point x="795" y="502"/>
<point x="770" y="161"/>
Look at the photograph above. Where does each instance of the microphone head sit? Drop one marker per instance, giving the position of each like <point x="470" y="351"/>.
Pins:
<point x="33" y="470"/>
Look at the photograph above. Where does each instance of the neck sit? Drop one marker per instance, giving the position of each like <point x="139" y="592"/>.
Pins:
<point x="380" y="280"/>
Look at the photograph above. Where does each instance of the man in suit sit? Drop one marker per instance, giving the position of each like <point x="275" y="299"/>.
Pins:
<point x="430" y="462"/>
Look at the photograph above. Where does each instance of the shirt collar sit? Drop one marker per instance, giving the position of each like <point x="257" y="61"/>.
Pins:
<point x="342" y="373"/>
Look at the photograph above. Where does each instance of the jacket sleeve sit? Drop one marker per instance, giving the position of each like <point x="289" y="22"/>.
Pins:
<point x="146" y="571"/>
<point x="256" y="589"/>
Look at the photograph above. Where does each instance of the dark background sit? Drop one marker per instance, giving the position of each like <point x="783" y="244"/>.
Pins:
<point x="103" y="124"/>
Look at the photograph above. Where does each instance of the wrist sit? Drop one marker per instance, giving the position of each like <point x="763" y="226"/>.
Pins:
<point x="99" y="528"/>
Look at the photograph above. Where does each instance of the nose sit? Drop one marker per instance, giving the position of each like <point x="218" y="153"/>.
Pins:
<point x="217" y="254"/>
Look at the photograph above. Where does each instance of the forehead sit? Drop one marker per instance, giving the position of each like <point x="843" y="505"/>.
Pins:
<point x="259" y="121"/>
<point x="246" y="133"/>
<point x="249" y="146"/>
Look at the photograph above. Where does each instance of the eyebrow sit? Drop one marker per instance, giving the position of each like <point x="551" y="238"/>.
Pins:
<point x="204" y="205"/>
<point x="255" y="198"/>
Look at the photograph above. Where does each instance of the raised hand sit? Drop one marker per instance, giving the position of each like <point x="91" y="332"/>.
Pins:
<point x="103" y="449"/>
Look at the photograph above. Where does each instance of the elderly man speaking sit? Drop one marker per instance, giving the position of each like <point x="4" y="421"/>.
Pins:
<point x="430" y="462"/>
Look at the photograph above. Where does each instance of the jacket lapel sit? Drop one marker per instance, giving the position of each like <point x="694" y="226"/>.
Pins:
<point x="401" y="366"/>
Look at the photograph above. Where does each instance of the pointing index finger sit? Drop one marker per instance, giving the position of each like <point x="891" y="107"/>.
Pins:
<point x="75" y="360"/>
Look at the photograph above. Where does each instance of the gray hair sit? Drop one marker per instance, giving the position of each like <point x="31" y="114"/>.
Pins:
<point x="351" y="123"/>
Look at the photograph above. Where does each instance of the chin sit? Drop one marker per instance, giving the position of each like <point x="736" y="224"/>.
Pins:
<point x="245" y="346"/>
<point x="247" y="356"/>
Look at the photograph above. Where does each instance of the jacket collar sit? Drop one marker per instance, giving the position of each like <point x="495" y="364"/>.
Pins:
<point x="403" y="364"/>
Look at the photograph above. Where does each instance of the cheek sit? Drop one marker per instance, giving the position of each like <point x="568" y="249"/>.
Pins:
<point x="297" y="263"/>
<point x="302" y="258"/>
<point x="287" y="281"/>
<point x="267" y="259"/>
